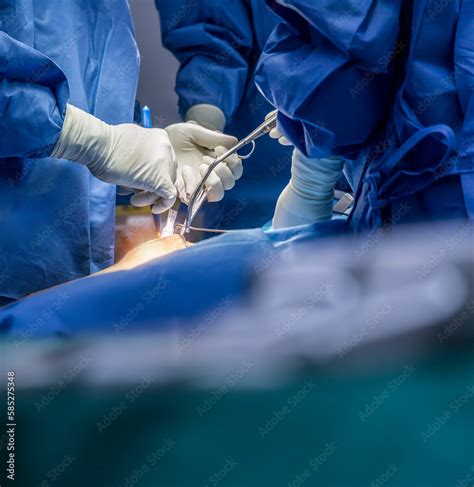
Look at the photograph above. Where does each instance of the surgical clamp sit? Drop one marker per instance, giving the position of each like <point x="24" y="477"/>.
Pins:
<point x="199" y="195"/>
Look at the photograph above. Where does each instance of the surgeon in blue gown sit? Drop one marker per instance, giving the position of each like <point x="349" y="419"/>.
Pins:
<point x="389" y="87"/>
<point x="397" y="107"/>
<point x="68" y="79"/>
<point x="218" y="45"/>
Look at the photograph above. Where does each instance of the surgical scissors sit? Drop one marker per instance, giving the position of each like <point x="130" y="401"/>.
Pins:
<point x="199" y="195"/>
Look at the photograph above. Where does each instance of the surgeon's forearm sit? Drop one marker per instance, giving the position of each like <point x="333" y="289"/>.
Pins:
<point x="308" y="198"/>
<point x="213" y="66"/>
<point x="33" y="96"/>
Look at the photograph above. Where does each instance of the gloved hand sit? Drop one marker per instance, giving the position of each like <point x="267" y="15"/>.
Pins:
<point x="126" y="154"/>
<point x="208" y="116"/>
<point x="275" y="133"/>
<point x="213" y="118"/>
<point x="197" y="144"/>
<point x="196" y="147"/>
<point x="308" y="197"/>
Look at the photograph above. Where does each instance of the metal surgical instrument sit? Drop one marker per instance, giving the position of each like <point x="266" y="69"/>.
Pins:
<point x="200" y="194"/>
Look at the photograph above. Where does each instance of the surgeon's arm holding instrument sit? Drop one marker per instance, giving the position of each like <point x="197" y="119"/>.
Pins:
<point x="194" y="146"/>
<point x="215" y="46"/>
<point x="329" y="111"/>
<point x="308" y="197"/>
<point x="160" y="163"/>
<point x="124" y="154"/>
<point x="199" y="195"/>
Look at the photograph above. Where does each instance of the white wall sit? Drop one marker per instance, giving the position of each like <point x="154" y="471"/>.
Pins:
<point x="158" y="69"/>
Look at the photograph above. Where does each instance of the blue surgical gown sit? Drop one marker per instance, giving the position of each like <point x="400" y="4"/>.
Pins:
<point x="388" y="85"/>
<point x="56" y="220"/>
<point x="218" y="45"/>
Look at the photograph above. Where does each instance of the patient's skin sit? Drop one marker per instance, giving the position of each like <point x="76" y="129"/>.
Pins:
<point x="141" y="254"/>
<point x="146" y="252"/>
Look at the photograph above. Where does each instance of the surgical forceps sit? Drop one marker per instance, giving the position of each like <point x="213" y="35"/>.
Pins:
<point x="200" y="194"/>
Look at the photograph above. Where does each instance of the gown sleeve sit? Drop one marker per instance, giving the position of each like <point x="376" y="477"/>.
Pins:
<point x="213" y="41"/>
<point x="329" y="67"/>
<point x="464" y="77"/>
<point x="33" y="96"/>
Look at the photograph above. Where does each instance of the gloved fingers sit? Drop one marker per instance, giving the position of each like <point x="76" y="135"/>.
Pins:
<point x="124" y="190"/>
<point x="180" y="187"/>
<point x="226" y="176"/>
<point x="269" y="114"/>
<point x="276" y="134"/>
<point x="224" y="172"/>
<point x="143" y="198"/>
<point x="191" y="179"/>
<point x="208" y="152"/>
<point x="214" y="186"/>
<point x="163" y="204"/>
<point x="234" y="162"/>
<point x="162" y="200"/>
<point x="209" y="138"/>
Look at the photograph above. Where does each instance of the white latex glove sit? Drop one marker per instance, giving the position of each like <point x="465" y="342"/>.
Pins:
<point x="308" y="197"/>
<point x="208" y="116"/>
<point x="126" y="155"/>
<point x="275" y="133"/>
<point x="196" y="147"/>
<point x="213" y="118"/>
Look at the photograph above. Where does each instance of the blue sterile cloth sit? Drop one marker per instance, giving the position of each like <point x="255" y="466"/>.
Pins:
<point x="212" y="274"/>
<point x="388" y="85"/>
<point x="56" y="220"/>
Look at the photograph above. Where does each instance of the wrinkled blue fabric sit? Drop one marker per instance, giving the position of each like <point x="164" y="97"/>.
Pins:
<point x="315" y="67"/>
<point x="56" y="220"/>
<point x="389" y="86"/>
<point x="218" y="44"/>
<point x="427" y="171"/>
<point x="179" y="286"/>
